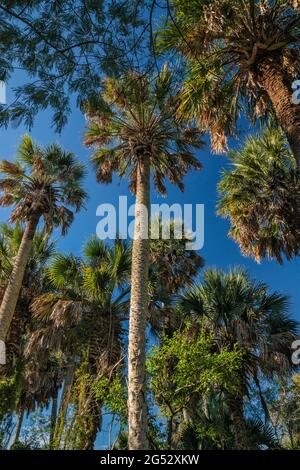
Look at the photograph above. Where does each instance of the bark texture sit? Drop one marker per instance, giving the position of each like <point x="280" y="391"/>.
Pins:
<point x="92" y="424"/>
<point x="137" y="409"/>
<point x="235" y="404"/>
<point x="64" y="404"/>
<point x="15" y="281"/>
<point x="279" y="89"/>
<point x="53" y="417"/>
<point x="18" y="428"/>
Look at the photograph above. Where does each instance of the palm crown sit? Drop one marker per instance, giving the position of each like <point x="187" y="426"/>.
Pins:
<point x="227" y="44"/>
<point x="43" y="182"/>
<point x="88" y="298"/>
<point x="137" y="119"/>
<point x="260" y="195"/>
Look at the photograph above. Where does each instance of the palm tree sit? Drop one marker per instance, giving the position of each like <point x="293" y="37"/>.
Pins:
<point x="172" y="268"/>
<point x="260" y="194"/>
<point x="135" y="133"/>
<point x="242" y="313"/>
<point x="34" y="283"/>
<point x="42" y="183"/>
<point x="31" y="377"/>
<point x="242" y="55"/>
<point x="82" y="319"/>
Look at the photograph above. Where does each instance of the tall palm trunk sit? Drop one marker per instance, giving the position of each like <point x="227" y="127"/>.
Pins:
<point x="137" y="409"/>
<point x="18" y="428"/>
<point x="235" y="404"/>
<point x="92" y="424"/>
<point x="15" y="281"/>
<point x="63" y="408"/>
<point x="279" y="89"/>
<point x="53" y="417"/>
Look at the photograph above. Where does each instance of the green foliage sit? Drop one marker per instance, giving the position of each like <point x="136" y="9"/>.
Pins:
<point x="260" y="194"/>
<point x="113" y="394"/>
<point x="139" y="121"/>
<point x="284" y="407"/>
<point x="43" y="182"/>
<point x="10" y="390"/>
<point x="185" y="365"/>
<point x="65" y="48"/>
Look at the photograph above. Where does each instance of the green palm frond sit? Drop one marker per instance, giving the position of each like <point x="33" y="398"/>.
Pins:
<point x="64" y="271"/>
<point x="260" y="195"/>
<point x="43" y="182"/>
<point x="140" y="119"/>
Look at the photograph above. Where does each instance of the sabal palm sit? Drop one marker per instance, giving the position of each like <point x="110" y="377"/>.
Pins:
<point x="243" y="313"/>
<point x="260" y="194"/>
<point x="173" y="267"/>
<point x="135" y="133"/>
<point x="42" y="183"/>
<point x="33" y="389"/>
<point x="242" y="55"/>
<point x="34" y="283"/>
<point x="83" y="319"/>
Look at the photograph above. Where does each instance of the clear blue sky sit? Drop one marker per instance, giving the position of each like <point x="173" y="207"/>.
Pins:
<point x="218" y="250"/>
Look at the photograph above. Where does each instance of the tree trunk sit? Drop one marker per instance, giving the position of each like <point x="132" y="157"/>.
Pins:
<point x="170" y="432"/>
<point x="18" y="428"/>
<point x="137" y="408"/>
<point x="235" y="404"/>
<point x="15" y="281"/>
<point x="92" y="424"/>
<point x="53" y="418"/>
<point x="63" y="409"/>
<point x="279" y="89"/>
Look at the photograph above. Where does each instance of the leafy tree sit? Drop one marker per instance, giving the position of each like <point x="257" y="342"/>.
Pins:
<point x="137" y="135"/>
<point x="242" y="313"/>
<point x="285" y="412"/>
<point x="43" y="183"/>
<point x="185" y="367"/>
<point x="241" y="56"/>
<point x="64" y="48"/>
<point x="260" y="194"/>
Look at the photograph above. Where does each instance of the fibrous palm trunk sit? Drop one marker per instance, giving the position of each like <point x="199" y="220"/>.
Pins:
<point x="92" y="424"/>
<point x="137" y="409"/>
<point x="18" y="428"/>
<point x="64" y="404"/>
<point x="279" y="89"/>
<point x="53" y="417"/>
<point x="235" y="404"/>
<point x="15" y="281"/>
